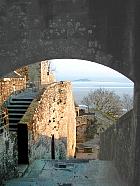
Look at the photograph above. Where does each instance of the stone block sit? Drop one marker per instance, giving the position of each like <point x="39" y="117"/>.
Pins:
<point x="87" y="149"/>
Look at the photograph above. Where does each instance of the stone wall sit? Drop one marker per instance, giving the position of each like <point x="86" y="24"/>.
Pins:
<point x="46" y="74"/>
<point x="40" y="73"/>
<point x="54" y="115"/>
<point x="118" y="145"/>
<point x="9" y="85"/>
<point x="8" y="156"/>
<point x="34" y="73"/>
<point x="82" y="124"/>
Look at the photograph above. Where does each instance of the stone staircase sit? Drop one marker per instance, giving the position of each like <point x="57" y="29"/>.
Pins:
<point x="18" y="105"/>
<point x="16" y="109"/>
<point x="69" y="173"/>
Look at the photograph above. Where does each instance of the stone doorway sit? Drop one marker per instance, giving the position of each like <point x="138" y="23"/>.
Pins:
<point x="22" y="141"/>
<point x="53" y="148"/>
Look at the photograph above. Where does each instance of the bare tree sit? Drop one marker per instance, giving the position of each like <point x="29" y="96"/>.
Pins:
<point x="86" y="101"/>
<point x="127" y="102"/>
<point x="105" y="101"/>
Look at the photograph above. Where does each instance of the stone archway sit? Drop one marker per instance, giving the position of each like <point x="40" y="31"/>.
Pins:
<point x="94" y="32"/>
<point x="32" y="31"/>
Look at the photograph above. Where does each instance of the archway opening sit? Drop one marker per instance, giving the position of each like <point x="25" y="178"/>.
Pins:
<point x="90" y="123"/>
<point x="86" y="76"/>
<point x="94" y="86"/>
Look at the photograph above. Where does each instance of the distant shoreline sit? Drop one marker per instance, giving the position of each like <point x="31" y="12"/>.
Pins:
<point x="104" y="82"/>
<point x="81" y="80"/>
<point x="82" y="88"/>
<point x="100" y="81"/>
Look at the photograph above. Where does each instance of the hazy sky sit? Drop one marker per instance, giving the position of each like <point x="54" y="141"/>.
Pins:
<point x="73" y="69"/>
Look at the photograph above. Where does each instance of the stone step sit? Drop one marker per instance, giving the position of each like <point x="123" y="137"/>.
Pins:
<point x="22" y="99"/>
<point x="12" y="129"/>
<point x="19" y="110"/>
<point x="14" y="120"/>
<point x="17" y="106"/>
<point x="20" y="102"/>
<point x="12" y="126"/>
<point x="15" y="115"/>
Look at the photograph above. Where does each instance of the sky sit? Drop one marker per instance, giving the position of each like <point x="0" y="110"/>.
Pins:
<point x="73" y="69"/>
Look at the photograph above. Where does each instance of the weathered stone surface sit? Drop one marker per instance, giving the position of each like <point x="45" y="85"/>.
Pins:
<point x="32" y="31"/>
<point x="8" y="156"/>
<point x="54" y="115"/>
<point x="9" y="86"/>
<point x="83" y="122"/>
<point x="29" y="33"/>
<point x="70" y="173"/>
<point x="118" y="145"/>
<point x="40" y="74"/>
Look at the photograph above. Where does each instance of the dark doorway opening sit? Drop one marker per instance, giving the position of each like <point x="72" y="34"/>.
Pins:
<point x="22" y="141"/>
<point x="53" y="148"/>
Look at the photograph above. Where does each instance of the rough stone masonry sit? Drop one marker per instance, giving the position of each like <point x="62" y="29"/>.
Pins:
<point x="8" y="156"/>
<point x="53" y="115"/>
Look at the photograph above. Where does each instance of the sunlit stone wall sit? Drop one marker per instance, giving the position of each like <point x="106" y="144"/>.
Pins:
<point x="10" y="85"/>
<point x="54" y="115"/>
<point x="40" y="73"/>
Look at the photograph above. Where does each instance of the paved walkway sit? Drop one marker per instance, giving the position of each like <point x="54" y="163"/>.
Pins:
<point x="69" y="173"/>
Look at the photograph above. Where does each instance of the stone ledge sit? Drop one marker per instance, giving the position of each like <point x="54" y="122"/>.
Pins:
<point x="22" y="170"/>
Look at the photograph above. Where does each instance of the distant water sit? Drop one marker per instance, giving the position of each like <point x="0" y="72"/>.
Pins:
<point x="82" y="88"/>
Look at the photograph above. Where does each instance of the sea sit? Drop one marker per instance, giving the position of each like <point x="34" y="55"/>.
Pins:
<point x="82" y="88"/>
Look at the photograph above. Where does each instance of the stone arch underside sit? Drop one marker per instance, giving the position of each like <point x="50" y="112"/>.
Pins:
<point x="34" y="30"/>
